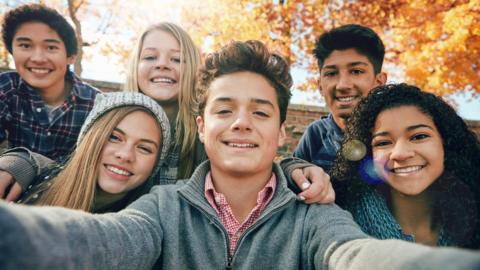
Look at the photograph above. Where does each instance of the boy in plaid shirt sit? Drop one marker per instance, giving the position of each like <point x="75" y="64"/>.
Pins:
<point x="42" y="104"/>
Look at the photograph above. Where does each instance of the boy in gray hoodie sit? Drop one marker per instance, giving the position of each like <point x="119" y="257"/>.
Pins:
<point x="235" y="212"/>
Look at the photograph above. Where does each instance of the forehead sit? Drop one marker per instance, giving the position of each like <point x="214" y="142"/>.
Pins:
<point x="38" y="30"/>
<point x="401" y="118"/>
<point x="141" y="124"/>
<point x="342" y="58"/>
<point x="241" y="86"/>
<point x="160" y="40"/>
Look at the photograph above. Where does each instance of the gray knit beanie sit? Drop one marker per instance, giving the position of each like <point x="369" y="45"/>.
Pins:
<point x="104" y="102"/>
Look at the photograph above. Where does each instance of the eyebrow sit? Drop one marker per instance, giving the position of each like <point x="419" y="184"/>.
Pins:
<point x="254" y="100"/>
<point x="410" y="128"/>
<point x="155" y="49"/>
<point x="352" y="64"/>
<point x="143" y="140"/>
<point x="50" y="40"/>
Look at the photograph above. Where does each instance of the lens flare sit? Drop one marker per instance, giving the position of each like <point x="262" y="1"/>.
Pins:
<point x="368" y="172"/>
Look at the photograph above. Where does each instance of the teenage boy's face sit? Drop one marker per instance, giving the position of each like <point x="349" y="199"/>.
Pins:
<point x="241" y="124"/>
<point x="346" y="77"/>
<point x="40" y="56"/>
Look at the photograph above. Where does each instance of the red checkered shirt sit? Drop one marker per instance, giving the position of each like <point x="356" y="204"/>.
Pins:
<point x="224" y="211"/>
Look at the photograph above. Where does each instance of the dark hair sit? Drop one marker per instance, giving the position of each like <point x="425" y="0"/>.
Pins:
<point x="251" y="56"/>
<point x="38" y="13"/>
<point x="456" y="192"/>
<point x="351" y="36"/>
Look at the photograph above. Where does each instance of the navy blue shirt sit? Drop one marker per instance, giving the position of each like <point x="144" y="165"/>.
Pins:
<point x="24" y="117"/>
<point x="320" y="143"/>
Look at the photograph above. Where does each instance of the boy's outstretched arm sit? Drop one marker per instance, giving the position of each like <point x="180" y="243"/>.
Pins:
<point x="59" y="238"/>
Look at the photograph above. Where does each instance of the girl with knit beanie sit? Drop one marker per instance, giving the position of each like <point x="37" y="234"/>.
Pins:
<point x="409" y="169"/>
<point x="123" y="141"/>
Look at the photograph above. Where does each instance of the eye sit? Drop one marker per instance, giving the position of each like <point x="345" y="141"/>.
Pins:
<point x="24" y="45"/>
<point x="175" y="59"/>
<point x="357" y="71"/>
<point x="149" y="58"/>
<point x="52" y="48"/>
<point x="145" y="149"/>
<point x="420" y="136"/>
<point x="329" y="74"/>
<point x="261" y="114"/>
<point x="114" y="138"/>
<point x="381" y="143"/>
<point x="224" y="111"/>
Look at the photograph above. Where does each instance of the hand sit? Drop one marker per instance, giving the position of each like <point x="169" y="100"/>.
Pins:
<point x="10" y="190"/>
<point x="315" y="184"/>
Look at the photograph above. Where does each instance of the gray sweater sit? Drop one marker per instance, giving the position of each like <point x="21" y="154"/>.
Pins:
<point x="174" y="227"/>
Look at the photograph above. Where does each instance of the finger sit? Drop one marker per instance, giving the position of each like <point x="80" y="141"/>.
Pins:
<point x="14" y="193"/>
<point x="319" y="184"/>
<point x="5" y="181"/>
<point x="327" y="196"/>
<point x="321" y="191"/>
<point x="300" y="179"/>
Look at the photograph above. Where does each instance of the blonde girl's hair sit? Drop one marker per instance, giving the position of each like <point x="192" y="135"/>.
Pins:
<point x="74" y="187"/>
<point x="185" y="125"/>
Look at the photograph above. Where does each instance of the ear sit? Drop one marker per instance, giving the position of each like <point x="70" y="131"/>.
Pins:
<point x="71" y="60"/>
<point x="381" y="78"/>
<point x="201" y="128"/>
<point x="319" y="86"/>
<point x="282" y="136"/>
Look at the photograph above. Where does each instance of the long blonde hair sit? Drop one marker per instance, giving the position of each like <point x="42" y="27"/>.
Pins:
<point x="185" y="125"/>
<point x="74" y="187"/>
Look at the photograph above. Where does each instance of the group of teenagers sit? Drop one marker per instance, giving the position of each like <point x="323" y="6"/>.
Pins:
<point x="178" y="170"/>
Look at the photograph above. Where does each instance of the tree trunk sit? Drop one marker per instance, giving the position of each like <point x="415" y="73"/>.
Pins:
<point x="72" y="10"/>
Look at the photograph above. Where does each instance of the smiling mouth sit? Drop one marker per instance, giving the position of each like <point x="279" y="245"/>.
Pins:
<point x="346" y="98"/>
<point x="241" y="145"/>
<point x="118" y="170"/>
<point x="163" y="80"/>
<point x="408" y="169"/>
<point x="39" y="70"/>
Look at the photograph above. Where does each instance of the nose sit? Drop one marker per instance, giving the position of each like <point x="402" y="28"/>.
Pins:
<point x="401" y="151"/>
<point x="242" y="122"/>
<point x="344" y="81"/>
<point x="162" y="62"/>
<point x="38" y="55"/>
<point x="125" y="153"/>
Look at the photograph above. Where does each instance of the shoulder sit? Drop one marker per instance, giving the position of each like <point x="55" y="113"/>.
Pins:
<point x="83" y="89"/>
<point x="9" y="81"/>
<point x="319" y="126"/>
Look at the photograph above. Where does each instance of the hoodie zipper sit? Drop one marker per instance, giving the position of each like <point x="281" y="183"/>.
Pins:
<point x="229" y="263"/>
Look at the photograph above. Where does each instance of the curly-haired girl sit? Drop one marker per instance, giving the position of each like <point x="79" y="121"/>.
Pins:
<point x="417" y="175"/>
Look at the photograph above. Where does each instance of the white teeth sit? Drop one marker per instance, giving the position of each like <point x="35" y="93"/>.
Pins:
<point x="407" y="169"/>
<point x="162" y="80"/>
<point x="39" y="70"/>
<point x="346" y="99"/>
<point x="241" y="145"/>
<point x="118" y="171"/>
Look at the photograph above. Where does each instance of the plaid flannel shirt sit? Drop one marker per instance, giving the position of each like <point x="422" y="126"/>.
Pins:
<point x="24" y="119"/>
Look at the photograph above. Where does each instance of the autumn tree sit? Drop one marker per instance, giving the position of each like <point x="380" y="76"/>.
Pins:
<point x="436" y="42"/>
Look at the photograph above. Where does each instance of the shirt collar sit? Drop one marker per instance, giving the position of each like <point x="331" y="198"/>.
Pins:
<point x="263" y="196"/>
